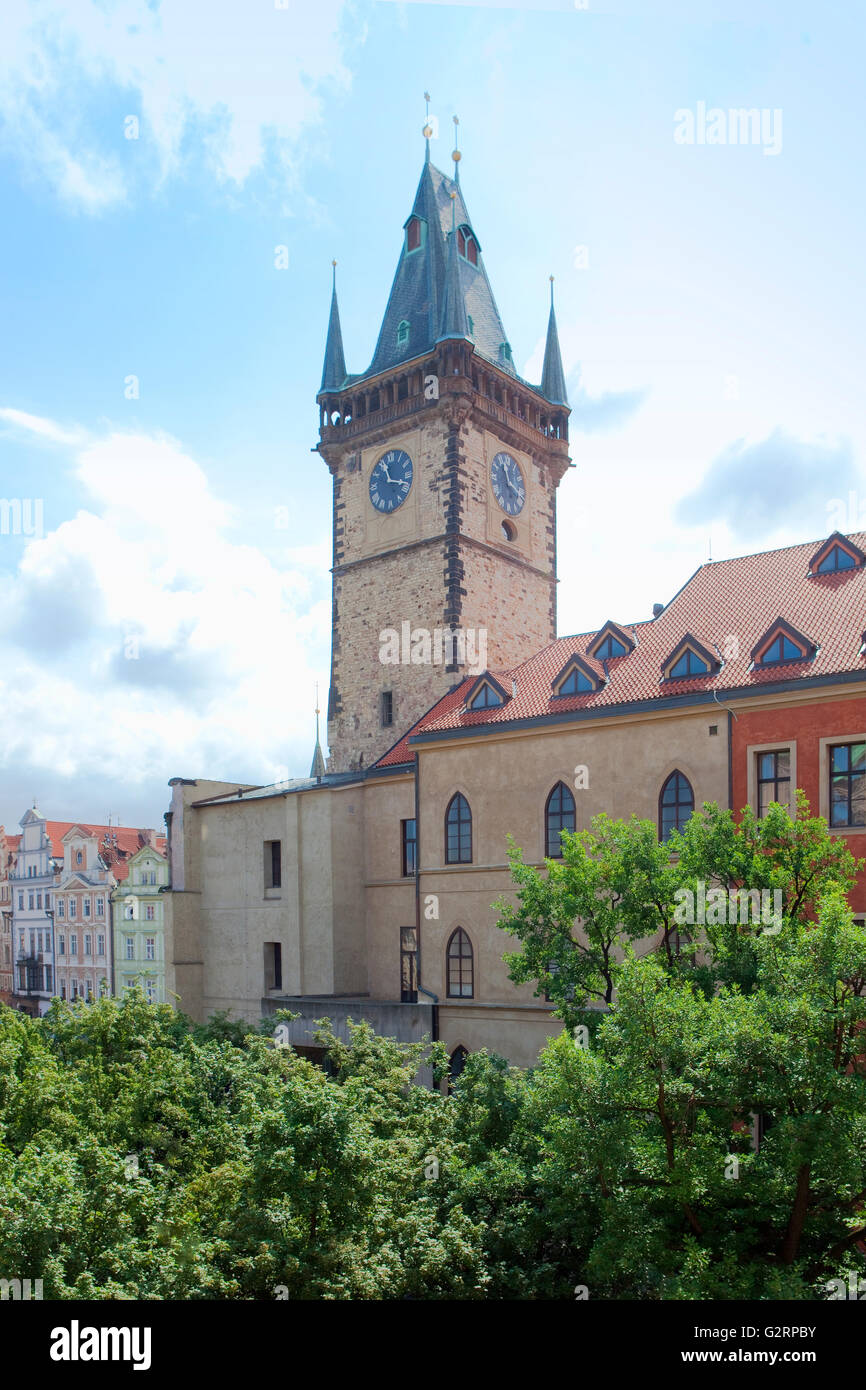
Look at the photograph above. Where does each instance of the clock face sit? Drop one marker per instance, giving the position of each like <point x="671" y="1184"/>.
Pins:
<point x="391" y="480"/>
<point x="509" y="489"/>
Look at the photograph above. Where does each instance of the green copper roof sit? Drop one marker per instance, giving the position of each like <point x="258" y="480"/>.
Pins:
<point x="334" y="368"/>
<point x="552" y="375"/>
<point x="424" y="288"/>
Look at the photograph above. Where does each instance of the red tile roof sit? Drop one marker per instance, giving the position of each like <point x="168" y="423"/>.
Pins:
<point x="727" y="605"/>
<point x="127" y="840"/>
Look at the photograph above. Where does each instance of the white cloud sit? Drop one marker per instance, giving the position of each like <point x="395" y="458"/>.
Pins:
<point x="227" y="82"/>
<point x="141" y="642"/>
<point x="37" y="424"/>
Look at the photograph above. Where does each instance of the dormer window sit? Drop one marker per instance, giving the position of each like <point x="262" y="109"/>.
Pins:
<point x="402" y="332"/>
<point x="688" y="660"/>
<point x="689" y="664"/>
<point x="415" y="233"/>
<point x="836" y="559"/>
<point x="837" y="553"/>
<point x="575" y="678"/>
<point x="467" y="246"/>
<point x="505" y="352"/>
<point x="782" y="649"/>
<point x="575" y="683"/>
<point x="611" y="646"/>
<point x="611" y="641"/>
<point x="780" y="645"/>
<point x="487" y="693"/>
<point x="485" y="698"/>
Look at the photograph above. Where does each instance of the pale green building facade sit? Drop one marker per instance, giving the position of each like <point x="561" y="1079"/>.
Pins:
<point x="138" y="925"/>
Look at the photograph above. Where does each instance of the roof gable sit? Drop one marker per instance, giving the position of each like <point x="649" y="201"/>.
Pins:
<point x="575" y="664"/>
<point x="617" y="634"/>
<point x="688" y="643"/>
<point x="842" y="546"/>
<point x="781" y="633"/>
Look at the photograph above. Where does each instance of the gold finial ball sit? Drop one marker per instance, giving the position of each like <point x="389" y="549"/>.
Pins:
<point x="452" y="194"/>
<point x="427" y="132"/>
<point x="333" y="263"/>
<point x="456" y="156"/>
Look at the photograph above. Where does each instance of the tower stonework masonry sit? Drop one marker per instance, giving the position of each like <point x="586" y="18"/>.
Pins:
<point x="445" y="466"/>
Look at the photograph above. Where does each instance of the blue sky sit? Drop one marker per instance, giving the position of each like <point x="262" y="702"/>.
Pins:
<point x="709" y="297"/>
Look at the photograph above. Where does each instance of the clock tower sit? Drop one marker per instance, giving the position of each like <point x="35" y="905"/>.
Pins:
<point x="445" y="466"/>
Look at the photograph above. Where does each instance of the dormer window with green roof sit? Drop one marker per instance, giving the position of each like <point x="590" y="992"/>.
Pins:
<point x="402" y="332"/>
<point x="467" y="246"/>
<point x="416" y="234"/>
<point x="505" y="352"/>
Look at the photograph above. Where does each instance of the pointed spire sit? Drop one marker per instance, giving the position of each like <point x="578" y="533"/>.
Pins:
<point x="454" y="323"/>
<point x="428" y="129"/>
<point x="552" y="375"/>
<point x="317" y="769"/>
<point x="334" y="368"/>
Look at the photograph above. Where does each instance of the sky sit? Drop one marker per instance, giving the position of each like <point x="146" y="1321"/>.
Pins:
<point x="175" y="179"/>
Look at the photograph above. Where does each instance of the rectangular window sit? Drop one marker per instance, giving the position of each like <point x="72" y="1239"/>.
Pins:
<point x="88" y="989"/>
<point x="48" y="978"/>
<point x="73" y="945"/>
<point x="71" y="907"/>
<point x="774" y="779"/>
<point x="100" y="907"/>
<point x="100" y="945"/>
<point x="150" y="991"/>
<point x="39" y="900"/>
<point x="409" y="846"/>
<point x="150" y="948"/>
<point x="273" y="965"/>
<point x="30" y="902"/>
<point x="73" y="989"/>
<point x="848" y="784"/>
<point x="22" y="943"/>
<point x="273" y="863"/>
<point x="20" y="902"/>
<point x="61" y="907"/>
<point x="88" y="945"/>
<point x="61" y="945"/>
<point x="386" y="708"/>
<point x="47" y="901"/>
<point x="149" y="912"/>
<point x="87" y="907"/>
<point x="130" y="948"/>
<point x="62" y="989"/>
<point x="408" y="965"/>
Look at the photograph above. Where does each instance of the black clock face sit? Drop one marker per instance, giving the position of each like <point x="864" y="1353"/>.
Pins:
<point x="509" y="489"/>
<point x="391" y="480"/>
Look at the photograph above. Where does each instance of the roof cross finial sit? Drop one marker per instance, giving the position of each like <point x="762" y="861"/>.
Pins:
<point x="428" y="129"/>
<point x="551" y="291"/>
<point x="455" y="154"/>
<point x="334" y="274"/>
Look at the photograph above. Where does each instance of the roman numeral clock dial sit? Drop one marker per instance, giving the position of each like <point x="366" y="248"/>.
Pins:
<point x="391" y="480"/>
<point x="509" y="489"/>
